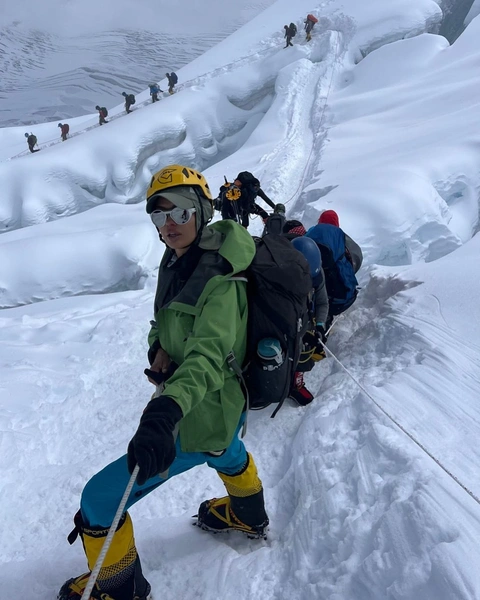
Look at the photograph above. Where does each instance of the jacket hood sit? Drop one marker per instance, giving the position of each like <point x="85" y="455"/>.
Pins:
<point x="329" y="217"/>
<point x="236" y="245"/>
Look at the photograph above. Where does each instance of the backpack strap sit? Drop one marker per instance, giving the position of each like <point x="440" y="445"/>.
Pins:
<point x="235" y="367"/>
<point x="348" y="256"/>
<point x="233" y="363"/>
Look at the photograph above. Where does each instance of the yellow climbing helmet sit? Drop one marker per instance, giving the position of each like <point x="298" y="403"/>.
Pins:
<point x="174" y="176"/>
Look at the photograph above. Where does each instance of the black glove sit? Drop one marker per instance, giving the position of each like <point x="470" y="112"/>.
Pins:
<point x="152" y="351"/>
<point x="310" y="339"/>
<point x="321" y="334"/>
<point x="153" y="445"/>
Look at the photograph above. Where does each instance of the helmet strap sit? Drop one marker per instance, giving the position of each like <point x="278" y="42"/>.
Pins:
<point x="203" y="221"/>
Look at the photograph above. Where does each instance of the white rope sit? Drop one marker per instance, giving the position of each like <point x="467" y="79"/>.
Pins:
<point x="414" y="440"/>
<point x="113" y="527"/>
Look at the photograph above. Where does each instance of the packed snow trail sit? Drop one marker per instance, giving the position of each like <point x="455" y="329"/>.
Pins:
<point x="307" y="92"/>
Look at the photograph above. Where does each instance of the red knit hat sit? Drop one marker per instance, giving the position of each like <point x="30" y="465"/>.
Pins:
<point x="330" y="217"/>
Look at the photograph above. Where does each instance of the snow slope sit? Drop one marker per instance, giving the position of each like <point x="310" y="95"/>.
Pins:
<point x="374" y="116"/>
<point x="58" y="60"/>
<point x="372" y="490"/>
<point x="59" y="78"/>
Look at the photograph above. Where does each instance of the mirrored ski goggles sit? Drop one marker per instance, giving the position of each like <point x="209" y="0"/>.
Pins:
<point x="180" y="216"/>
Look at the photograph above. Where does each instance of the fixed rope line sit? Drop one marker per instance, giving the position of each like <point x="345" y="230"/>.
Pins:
<point x="407" y="433"/>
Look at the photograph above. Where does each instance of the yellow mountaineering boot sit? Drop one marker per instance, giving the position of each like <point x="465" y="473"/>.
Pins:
<point x="120" y="577"/>
<point x="74" y="588"/>
<point x="242" y="510"/>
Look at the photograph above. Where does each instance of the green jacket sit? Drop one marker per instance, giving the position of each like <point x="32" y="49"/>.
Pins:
<point x="198" y="329"/>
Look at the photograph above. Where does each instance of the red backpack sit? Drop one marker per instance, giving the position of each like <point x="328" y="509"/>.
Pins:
<point x="312" y="19"/>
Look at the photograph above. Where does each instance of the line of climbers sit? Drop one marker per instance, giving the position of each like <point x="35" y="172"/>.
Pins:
<point x="291" y="30"/>
<point x="335" y="287"/>
<point x="130" y="100"/>
<point x="233" y="318"/>
<point x="333" y="269"/>
<point x="32" y="139"/>
<point x="172" y="78"/>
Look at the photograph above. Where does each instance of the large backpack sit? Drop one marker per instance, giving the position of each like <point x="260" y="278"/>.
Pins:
<point x="249" y="190"/>
<point x="104" y="111"/>
<point x="339" y="274"/>
<point x="312" y="18"/>
<point x="173" y="77"/>
<point x="293" y="29"/>
<point x="278" y="287"/>
<point x="230" y="202"/>
<point x="32" y="140"/>
<point x="248" y="179"/>
<point x="250" y="184"/>
<point x="131" y="98"/>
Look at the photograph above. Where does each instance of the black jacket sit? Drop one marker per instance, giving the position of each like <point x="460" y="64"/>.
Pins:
<point x="250" y="190"/>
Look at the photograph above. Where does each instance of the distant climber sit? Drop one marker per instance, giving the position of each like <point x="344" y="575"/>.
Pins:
<point x="237" y="200"/>
<point x="129" y="101"/>
<point x="64" y="129"/>
<point x="102" y="114"/>
<point x="309" y="23"/>
<point x="154" y="91"/>
<point x="290" y="32"/>
<point x="32" y="142"/>
<point x="172" y="81"/>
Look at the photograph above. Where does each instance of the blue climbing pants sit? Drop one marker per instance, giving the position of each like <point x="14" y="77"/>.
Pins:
<point x="102" y="494"/>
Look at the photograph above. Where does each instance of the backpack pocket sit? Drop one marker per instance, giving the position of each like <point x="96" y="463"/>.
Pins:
<point x="268" y="378"/>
